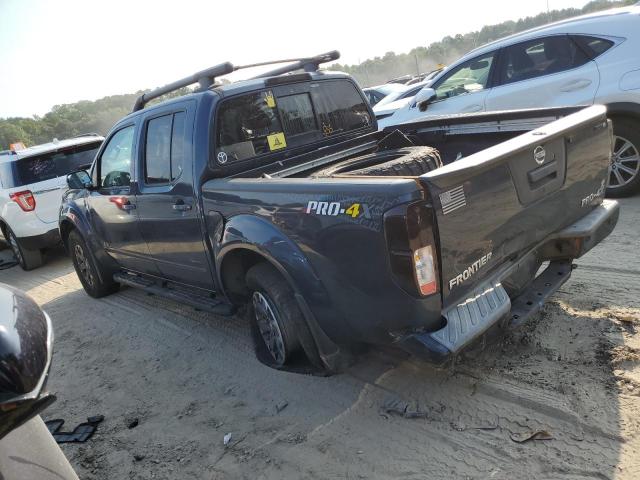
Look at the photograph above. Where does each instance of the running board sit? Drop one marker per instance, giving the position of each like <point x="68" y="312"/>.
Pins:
<point x="172" y="292"/>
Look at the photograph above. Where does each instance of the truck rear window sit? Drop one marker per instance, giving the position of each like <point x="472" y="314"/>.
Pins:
<point x="25" y="171"/>
<point x="262" y="122"/>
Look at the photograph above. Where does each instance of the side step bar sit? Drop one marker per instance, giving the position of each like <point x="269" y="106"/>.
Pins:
<point x="170" y="291"/>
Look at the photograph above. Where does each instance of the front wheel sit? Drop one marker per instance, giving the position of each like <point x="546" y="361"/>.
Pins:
<point x="96" y="281"/>
<point x="28" y="259"/>
<point x="275" y="311"/>
<point x="624" y="172"/>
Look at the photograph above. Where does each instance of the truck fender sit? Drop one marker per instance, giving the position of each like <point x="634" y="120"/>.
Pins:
<point x="256" y="235"/>
<point x="73" y="217"/>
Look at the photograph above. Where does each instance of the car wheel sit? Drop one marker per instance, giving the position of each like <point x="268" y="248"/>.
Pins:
<point x="95" y="280"/>
<point x="624" y="172"/>
<point x="28" y="259"/>
<point x="275" y="311"/>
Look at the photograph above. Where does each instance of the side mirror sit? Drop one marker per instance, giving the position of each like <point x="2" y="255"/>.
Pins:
<point x="78" y="180"/>
<point x="25" y="357"/>
<point x="424" y="97"/>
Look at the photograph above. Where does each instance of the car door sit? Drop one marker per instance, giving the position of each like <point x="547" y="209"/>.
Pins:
<point x="111" y="202"/>
<point x="463" y="89"/>
<point x="550" y="71"/>
<point x="170" y="219"/>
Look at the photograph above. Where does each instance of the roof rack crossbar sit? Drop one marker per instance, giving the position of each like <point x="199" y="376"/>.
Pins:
<point x="207" y="77"/>
<point x="307" y="64"/>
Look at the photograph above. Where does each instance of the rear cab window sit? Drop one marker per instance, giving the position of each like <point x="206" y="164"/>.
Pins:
<point x="39" y="168"/>
<point x="164" y="149"/>
<point x="282" y="117"/>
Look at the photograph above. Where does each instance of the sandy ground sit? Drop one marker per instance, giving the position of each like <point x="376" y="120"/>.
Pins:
<point x="189" y="378"/>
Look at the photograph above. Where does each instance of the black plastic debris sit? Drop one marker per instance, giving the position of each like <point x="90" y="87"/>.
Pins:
<point x="80" y="434"/>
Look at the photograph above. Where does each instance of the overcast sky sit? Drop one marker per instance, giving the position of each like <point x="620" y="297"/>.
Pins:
<point x="62" y="51"/>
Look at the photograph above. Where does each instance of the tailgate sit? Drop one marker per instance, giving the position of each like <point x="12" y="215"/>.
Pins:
<point x="495" y="205"/>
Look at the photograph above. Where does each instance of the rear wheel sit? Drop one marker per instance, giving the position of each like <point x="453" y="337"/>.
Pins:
<point x="624" y="172"/>
<point x="28" y="259"/>
<point x="275" y="311"/>
<point x="96" y="281"/>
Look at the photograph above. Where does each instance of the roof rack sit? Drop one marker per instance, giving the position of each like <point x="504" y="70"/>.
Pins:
<point x="206" y="78"/>
<point x="89" y="134"/>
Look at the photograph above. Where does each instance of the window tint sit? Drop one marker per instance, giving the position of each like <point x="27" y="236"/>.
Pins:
<point x="115" y="163"/>
<point x="594" y="46"/>
<point x="47" y="166"/>
<point x="471" y="76"/>
<point x="177" y="144"/>
<point x="339" y="107"/>
<point x="158" y="151"/>
<point x="297" y="114"/>
<point x="247" y="126"/>
<point x="259" y="123"/>
<point x="164" y="149"/>
<point x="543" y="56"/>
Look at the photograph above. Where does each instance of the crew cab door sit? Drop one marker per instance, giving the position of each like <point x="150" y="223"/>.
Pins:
<point x="550" y="71"/>
<point x="166" y="205"/>
<point x="112" y="203"/>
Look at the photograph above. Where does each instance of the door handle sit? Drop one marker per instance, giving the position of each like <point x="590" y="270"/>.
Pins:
<point x="473" y="108"/>
<point x="180" y="206"/>
<point x="575" y="85"/>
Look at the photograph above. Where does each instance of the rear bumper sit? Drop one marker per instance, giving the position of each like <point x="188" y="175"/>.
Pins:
<point x="489" y="308"/>
<point x="47" y="239"/>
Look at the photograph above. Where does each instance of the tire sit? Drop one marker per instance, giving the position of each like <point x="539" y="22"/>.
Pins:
<point x="624" y="173"/>
<point x="401" y="162"/>
<point x="95" y="280"/>
<point x="274" y="309"/>
<point x="27" y="259"/>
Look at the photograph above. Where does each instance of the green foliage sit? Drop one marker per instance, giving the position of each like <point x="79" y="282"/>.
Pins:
<point x="424" y="59"/>
<point x="64" y="121"/>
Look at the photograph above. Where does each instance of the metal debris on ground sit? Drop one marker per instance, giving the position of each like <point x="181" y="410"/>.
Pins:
<point x="523" y="437"/>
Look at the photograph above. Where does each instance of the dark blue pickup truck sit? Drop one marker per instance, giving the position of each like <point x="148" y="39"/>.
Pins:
<point x="278" y="193"/>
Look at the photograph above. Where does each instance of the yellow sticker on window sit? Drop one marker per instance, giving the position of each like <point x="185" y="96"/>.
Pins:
<point x="276" y="141"/>
<point x="268" y="97"/>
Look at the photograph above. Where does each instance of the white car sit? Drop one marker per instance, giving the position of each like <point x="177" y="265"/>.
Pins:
<point x="581" y="61"/>
<point x="32" y="181"/>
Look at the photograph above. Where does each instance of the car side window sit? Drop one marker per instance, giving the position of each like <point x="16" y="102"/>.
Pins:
<point x="471" y="76"/>
<point x="594" y="46"/>
<point x="164" y="149"/>
<point x="542" y="56"/>
<point x="115" y="162"/>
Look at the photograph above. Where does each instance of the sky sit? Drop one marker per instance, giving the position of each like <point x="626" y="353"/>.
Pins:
<point x="62" y="51"/>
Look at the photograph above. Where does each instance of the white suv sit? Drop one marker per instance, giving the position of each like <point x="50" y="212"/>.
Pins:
<point x="581" y="61"/>
<point x="32" y="181"/>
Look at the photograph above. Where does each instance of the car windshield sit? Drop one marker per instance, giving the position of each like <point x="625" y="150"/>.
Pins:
<point x="38" y="168"/>
<point x="395" y="95"/>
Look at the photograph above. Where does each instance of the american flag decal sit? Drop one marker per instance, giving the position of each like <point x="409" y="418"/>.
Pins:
<point x="452" y="199"/>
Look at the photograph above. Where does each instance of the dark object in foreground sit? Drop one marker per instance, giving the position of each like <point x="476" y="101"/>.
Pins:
<point x="27" y="449"/>
<point x="278" y="195"/>
<point x="80" y="434"/>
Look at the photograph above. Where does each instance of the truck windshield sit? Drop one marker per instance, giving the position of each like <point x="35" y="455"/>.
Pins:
<point x="262" y="122"/>
<point x="38" y="168"/>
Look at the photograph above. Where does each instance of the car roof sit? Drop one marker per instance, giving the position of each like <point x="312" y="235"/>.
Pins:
<point x="238" y="87"/>
<point x="548" y="29"/>
<point x="55" y="145"/>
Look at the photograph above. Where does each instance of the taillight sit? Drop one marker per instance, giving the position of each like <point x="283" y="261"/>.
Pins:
<point x="424" y="265"/>
<point x="24" y="199"/>
<point x="412" y="253"/>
